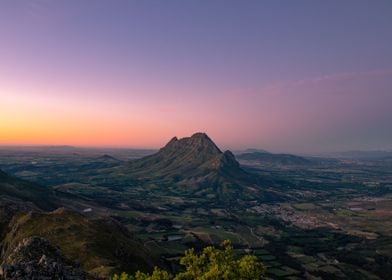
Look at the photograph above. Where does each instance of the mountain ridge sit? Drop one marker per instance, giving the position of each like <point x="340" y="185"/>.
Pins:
<point x="273" y="159"/>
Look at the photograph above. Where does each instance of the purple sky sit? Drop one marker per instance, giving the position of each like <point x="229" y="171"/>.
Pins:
<point x="293" y="76"/>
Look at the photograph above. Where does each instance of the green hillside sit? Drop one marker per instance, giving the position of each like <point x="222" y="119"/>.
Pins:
<point x="102" y="246"/>
<point x="14" y="188"/>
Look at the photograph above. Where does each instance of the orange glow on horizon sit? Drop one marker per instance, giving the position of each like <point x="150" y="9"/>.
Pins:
<point x="39" y="120"/>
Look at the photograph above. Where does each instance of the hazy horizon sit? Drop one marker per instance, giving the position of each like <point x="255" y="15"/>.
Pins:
<point x="223" y="148"/>
<point x="300" y="77"/>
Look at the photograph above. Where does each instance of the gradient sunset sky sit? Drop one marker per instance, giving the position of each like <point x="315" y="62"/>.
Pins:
<point x="286" y="76"/>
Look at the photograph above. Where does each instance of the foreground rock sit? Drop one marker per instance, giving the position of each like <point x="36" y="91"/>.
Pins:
<point x="36" y="258"/>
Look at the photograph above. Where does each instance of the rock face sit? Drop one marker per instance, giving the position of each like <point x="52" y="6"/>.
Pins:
<point x="36" y="258"/>
<point x="194" y="163"/>
<point x="180" y="155"/>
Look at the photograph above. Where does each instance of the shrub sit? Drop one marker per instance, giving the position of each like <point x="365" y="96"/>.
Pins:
<point x="210" y="264"/>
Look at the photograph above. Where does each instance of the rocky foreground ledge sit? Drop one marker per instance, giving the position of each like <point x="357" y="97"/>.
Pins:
<point x="35" y="258"/>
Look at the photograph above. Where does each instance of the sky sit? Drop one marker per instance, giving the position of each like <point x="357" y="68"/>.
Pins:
<point x="285" y="76"/>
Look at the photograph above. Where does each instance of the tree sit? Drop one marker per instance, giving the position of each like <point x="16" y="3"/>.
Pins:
<point x="210" y="264"/>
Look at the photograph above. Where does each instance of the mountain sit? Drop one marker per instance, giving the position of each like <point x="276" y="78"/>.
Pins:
<point x="194" y="163"/>
<point x="101" y="162"/>
<point x="273" y="159"/>
<point x="363" y="155"/>
<point x="108" y="158"/>
<point x="252" y="150"/>
<point x="12" y="188"/>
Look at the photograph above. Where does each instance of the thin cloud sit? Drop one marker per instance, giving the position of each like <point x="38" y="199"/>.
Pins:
<point x="321" y="84"/>
<point x="344" y="76"/>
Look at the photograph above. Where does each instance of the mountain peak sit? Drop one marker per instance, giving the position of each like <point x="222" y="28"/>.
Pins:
<point x="200" y="135"/>
<point x="171" y="142"/>
<point x="107" y="157"/>
<point x="199" y="145"/>
<point x="229" y="157"/>
<point x="224" y="160"/>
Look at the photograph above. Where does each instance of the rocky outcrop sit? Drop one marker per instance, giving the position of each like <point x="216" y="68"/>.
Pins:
<point x="36" y="258"/>
<point x="100" y="247"/>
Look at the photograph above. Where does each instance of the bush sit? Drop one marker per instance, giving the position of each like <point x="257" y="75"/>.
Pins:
<point x="210" y="264"/>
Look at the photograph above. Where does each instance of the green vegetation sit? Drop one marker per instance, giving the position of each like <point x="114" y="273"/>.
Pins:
<point x="211" y="263"/>
<point x="100" y="246"/>
<point x="25" y="191"/>
<point x="325" y="220"/>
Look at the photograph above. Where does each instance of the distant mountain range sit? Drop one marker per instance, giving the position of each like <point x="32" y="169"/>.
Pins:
<point x="365" y="155"/>
<point x="251" y="150"/>
<point x="266" y="158"/>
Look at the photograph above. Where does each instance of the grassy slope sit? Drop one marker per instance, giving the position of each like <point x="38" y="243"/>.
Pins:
<point x="26" y="191"/>
<point x="100" y="246"/>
